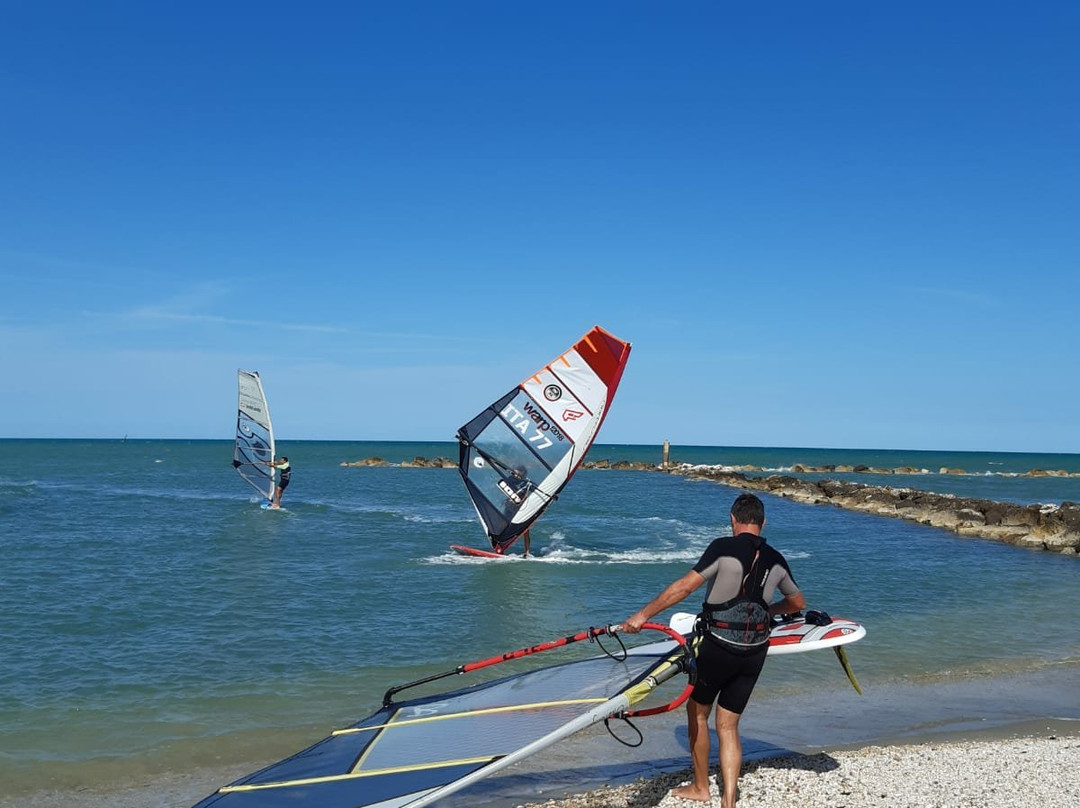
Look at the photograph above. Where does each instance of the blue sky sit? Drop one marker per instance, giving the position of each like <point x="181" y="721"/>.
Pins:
<point x="821" y="224"/>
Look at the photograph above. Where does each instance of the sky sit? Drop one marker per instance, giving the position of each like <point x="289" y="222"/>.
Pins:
<point x="836" y="224"/>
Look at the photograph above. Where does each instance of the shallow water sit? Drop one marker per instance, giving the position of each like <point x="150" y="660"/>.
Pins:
<point x="154" y="620"/>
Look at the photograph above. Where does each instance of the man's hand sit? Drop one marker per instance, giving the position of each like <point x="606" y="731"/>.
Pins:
<point x="633" y="624"/>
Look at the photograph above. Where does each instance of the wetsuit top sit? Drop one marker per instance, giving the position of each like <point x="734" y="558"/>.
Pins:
<point x="286" y="472"/>
<point x="743" y="574"/>
<point x="726" y="561"/>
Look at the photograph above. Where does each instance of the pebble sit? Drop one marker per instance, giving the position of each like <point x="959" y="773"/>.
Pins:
<point x="1036" y="772"/>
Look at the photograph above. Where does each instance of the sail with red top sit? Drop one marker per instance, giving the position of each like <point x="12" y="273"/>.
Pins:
<point x="520" y="452"/>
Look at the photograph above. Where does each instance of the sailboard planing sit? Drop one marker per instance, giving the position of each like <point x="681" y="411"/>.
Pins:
<point x="254" y="446"/>
<point x="519" y="452"/>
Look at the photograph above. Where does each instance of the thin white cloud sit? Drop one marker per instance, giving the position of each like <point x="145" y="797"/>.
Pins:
<point x="153" y="314"/>
<point x="966" y="296"/>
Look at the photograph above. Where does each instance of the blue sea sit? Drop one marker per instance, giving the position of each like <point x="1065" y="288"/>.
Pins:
<point x="158" y="629"/>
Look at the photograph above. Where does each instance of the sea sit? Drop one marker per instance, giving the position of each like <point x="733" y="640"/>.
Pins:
<point x="160" y="634"/>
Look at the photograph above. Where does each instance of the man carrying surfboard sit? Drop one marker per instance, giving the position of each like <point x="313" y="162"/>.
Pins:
<point x="744" y="574"/>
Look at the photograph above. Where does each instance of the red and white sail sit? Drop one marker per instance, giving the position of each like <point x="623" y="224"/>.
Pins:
<point x="518" y="453"/>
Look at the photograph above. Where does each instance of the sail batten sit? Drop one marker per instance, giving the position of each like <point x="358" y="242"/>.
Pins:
<point x="519" y="453"/>
<point x="254" y="446"/>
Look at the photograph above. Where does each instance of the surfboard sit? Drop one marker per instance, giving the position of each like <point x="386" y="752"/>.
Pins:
<point x="266" y="507"/>
<point x="472" y="551"/>
<point x="793" y="636"/>
<point x="796" y="635"/>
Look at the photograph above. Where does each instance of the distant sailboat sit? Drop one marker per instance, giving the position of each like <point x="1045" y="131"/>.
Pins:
<point x="254" y="445"/>
<point x="519" y="453"/>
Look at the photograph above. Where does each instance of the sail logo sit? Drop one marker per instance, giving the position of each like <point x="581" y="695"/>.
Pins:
<point x="571" y="415"/>
<point x="553" y="392"/>
<point x="529" y="418"/>
<point x="511" y="494"/>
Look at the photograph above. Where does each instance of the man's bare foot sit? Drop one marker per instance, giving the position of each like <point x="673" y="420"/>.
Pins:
<point x="691" y="792"/>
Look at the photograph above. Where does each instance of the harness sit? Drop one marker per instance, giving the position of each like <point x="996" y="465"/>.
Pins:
<point x="744" y="620"/>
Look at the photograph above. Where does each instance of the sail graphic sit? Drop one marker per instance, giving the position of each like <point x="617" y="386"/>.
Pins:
<point x="414" y="752"/>
<point x="518" y="453"/>
<point x="254" y="435"/>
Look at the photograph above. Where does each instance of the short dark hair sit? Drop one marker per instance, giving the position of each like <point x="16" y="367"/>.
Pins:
<point x="283" y="457"/>
<point x="748" y="510"/>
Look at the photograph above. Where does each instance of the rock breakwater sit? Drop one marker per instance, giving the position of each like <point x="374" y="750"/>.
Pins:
<point x="1053" y="528"/>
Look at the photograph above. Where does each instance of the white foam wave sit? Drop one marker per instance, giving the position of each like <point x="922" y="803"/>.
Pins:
<point x="568" y="555"/>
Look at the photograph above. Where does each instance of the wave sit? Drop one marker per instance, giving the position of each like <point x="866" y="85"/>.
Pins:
<point x="566" y="555"/>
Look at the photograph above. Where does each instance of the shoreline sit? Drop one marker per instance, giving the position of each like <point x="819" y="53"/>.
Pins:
<point x="813" y="733"/>
<point x="1032" y="767"/>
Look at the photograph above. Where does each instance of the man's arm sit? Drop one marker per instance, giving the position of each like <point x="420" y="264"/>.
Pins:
<point x="795" y="602"/>
<point x="675" y="591"/>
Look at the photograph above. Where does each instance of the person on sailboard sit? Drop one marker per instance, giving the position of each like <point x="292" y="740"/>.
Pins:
<point x="284" y="471"/>
<point x="744" y="574"/>
<point x="521" y="487"/>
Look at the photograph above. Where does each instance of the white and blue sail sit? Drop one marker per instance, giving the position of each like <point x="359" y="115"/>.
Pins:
<point x="254" y="447"/>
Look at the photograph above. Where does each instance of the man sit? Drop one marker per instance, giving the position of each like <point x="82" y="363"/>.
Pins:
<point x="520" y="485"/>
<point x="744" y="574"/>
<point x="284" y="476"/>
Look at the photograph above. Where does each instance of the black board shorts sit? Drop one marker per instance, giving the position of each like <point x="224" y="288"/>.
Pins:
<point x="728" y="673"/>
<point x="283" y="483"/>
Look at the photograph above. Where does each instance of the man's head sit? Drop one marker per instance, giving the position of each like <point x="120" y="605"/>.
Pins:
<point x="284" y="460"/>
<point x="747" y="509"/>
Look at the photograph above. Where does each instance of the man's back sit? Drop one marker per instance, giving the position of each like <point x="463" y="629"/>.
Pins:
<point x="726" y="562"/>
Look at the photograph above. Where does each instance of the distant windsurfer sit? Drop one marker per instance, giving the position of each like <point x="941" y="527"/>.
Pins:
<point x="744" y="574"/>
<point x="284" y="471"/>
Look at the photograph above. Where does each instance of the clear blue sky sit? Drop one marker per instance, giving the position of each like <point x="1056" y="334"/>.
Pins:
<point x="837" y="224"/>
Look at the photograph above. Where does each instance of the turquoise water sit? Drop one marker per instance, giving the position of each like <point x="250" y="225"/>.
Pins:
<point x="152" y="617"/>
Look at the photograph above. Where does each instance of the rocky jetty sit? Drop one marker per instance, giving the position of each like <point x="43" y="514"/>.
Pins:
<point x="1054" y="528"/>
<point x="416" y="462"/>
<point x="367" y="461"/>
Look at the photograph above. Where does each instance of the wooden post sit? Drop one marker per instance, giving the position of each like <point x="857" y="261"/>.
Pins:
<point x="667" y="452"/>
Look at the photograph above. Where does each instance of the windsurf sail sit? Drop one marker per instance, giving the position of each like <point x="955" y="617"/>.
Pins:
<point x="254" y="436"/>
<point x="519" y="453"/>
<point x="411" y="753"/>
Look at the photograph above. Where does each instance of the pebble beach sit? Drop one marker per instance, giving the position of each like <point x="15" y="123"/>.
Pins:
<point x="1024" y="772"/>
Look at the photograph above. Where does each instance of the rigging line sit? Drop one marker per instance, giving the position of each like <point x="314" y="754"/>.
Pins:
<point x="468" y="714"/>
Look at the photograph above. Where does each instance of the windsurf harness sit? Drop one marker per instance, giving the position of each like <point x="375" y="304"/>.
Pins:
<point x="742" y="621"/>
<point x="519" y="453"/>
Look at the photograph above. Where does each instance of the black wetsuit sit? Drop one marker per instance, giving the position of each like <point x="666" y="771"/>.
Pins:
<point x="726" y="670"/>
<point x="284" y="475"/>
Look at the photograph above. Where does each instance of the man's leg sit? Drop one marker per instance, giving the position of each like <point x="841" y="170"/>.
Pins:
<point x="727" y="729"/>
<point x="697" y="721"/>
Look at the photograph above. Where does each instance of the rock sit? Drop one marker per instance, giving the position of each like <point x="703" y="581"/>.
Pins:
<point x="368" y="461"/>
